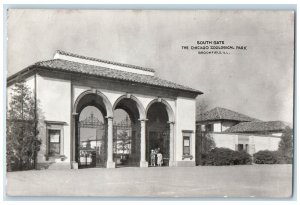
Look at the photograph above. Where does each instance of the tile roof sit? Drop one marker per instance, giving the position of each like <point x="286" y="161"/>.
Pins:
<point x="257" y="126"/>
<point x="220" y="113"/>
<point x="70" y="66"/>
<point x="104" y="61"/>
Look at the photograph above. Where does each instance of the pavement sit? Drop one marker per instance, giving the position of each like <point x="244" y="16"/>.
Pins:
<point x="201" y="181"/>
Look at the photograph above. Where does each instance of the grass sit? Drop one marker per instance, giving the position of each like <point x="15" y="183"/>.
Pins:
<point x="202" y="181"/>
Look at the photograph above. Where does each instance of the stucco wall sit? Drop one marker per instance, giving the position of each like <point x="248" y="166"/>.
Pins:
<point x="256" y="143"/>
<point x="54" y="102"/>
<point x="185" y="120"/>
<point x="266" y="143"/>
<point x="225" y="140"/>
<point x="217" y="126"/>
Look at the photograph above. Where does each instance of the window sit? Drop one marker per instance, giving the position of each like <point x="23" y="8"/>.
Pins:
<point x="54" y="142"/>
<point x="240" y="147"/>
<point x="186" y="145"/>
<point x="243" y="147"/>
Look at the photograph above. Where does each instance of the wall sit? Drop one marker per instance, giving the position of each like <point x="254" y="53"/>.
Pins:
<point x="256" y="143"/>
<point x="217" y="126"/>
<point x="225" y="140"/>
<point x="185" y="120"/>
<point x="266" y="143"/>
<point x="54" y="97"/>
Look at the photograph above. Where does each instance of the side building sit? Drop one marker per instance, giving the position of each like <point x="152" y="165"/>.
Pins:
<point x="236" y="131"/>
<point x="162" y="113"/>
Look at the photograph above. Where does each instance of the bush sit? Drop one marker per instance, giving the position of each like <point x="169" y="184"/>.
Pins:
<point x="266" y="157"/>
<point x="225" y="156"/>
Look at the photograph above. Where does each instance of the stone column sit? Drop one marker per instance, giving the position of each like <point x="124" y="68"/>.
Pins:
<point x="172" y="147"/>
<point x="143" y="162"/>
<point x="74" y="164"/>
<point x="110" y="162"/>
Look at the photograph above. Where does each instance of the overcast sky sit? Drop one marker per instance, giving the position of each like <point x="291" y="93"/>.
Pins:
<point x="257" y="82"/>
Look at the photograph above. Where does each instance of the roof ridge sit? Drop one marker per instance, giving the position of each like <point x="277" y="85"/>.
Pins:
<point x="220" y="117"/>
<point x="104" y="61"/>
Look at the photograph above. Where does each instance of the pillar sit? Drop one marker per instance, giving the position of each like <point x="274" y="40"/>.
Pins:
<point x="172" y="147"/>
<point x="74" y="164"/>
<point x="143" y="162"/>
<point x="110" y="162"/>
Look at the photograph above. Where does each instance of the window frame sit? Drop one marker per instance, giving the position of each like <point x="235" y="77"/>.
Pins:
<point x="50" y="154"/>
<point x="54" y="125"/>
<point x="187" y="135"/>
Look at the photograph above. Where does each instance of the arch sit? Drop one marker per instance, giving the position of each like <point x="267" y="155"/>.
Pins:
<point x="140" y="106"/>
<point x="168" y="108"/>
<point x="106" y="101"/>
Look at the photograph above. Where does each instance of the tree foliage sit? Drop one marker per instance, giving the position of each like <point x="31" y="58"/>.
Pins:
<point x="22" y="143"/>
<point x="123" y="142"/>
<point x="285" y="149"/>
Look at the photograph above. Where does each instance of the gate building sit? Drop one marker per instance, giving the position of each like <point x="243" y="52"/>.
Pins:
<point x="80" y="100"/>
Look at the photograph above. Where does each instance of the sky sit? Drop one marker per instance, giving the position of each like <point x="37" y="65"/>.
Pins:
<point x="257" y="81"/>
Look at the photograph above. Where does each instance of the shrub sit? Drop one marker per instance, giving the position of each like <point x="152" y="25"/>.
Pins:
<point x="266" y="157"/>
<point x="225" y="156"/>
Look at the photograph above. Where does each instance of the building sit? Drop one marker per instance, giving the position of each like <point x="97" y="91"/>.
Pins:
<point x="236" y="131"/>
<point x="162" y="113"/>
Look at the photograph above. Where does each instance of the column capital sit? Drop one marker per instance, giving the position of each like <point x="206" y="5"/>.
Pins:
<point x="143" y="120"/>
<point x="74" y="113"/>
<point x="171" y="122"/>
<point x="109" y="117"/>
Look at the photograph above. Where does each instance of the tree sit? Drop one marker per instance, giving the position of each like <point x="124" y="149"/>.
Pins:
<point x="285" y="149"/>
<point x="123" y="142"/>
<point x="205" y="143"/>
<point x="201" y="106"/>
<point x="22" y="143"/>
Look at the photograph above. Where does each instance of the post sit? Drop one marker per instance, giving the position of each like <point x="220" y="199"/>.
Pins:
<point x="143" y="162"/>
<point x="171" y="160"/>
<point x="110" y="162"/>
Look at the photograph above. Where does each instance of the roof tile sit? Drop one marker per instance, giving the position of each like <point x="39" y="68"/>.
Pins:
<point x="65" y="65"/>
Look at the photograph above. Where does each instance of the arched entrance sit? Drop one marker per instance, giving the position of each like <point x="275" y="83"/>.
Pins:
<point x="91" y="129"/>
<point x="159" y="130"/>
<point x="127" y="131"/>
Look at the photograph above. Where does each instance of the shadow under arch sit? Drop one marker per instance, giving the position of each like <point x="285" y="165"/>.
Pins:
<point x="106" y="101"/>
<point x="169" y="109"/>
<point x="140" y="106"/>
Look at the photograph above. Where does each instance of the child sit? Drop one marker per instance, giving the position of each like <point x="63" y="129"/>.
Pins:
<point x="159" y="159"/>
<point x="152" y="156"/>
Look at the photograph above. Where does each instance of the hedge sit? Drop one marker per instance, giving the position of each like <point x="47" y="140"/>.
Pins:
<point x="225" y="156"/>
<point x="266" y="157"/>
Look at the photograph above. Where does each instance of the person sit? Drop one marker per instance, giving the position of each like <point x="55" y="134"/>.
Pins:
<point x="159" y="159"/>
<point x="152" y="156"/>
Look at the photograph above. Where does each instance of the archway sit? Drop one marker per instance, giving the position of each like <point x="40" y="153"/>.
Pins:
<point x="91" y="136"/>
<point x="127" y="131"/>
<point x="159" y="129"/>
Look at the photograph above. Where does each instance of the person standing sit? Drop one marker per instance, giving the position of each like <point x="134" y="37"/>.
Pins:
<point x="152" y="157"/>
<point x="159" y="159"/>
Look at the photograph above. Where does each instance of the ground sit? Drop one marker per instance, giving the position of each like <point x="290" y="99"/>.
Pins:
<point x="201" y="181"/>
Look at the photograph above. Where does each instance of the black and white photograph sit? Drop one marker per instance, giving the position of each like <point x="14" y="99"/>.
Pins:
<point x="155" y="103"/>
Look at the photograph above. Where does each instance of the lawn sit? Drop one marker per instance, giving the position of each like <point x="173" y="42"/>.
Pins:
<point x="201" y="181"/>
